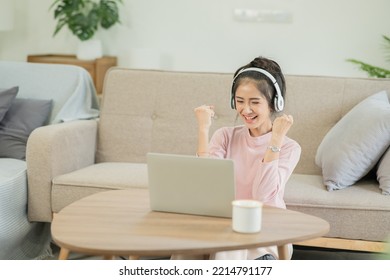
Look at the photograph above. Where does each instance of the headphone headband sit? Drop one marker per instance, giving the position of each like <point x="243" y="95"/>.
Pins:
<point x="278" y="102"/>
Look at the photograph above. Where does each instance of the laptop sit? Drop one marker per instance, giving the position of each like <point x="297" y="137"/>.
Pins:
<point x="191" y="185"/>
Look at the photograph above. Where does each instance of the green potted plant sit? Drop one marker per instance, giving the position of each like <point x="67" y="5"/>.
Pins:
<point x="375" y="71"/>
<point x="84" y="18"/>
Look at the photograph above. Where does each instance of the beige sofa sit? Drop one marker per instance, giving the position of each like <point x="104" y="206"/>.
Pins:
<point x="146" y="111"/>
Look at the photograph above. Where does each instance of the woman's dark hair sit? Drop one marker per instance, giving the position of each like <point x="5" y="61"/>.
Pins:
<point x="263" y="83"/>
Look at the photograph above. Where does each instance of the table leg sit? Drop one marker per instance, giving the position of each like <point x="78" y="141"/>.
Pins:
<point x="64" y="254"/>
<point x="283" y="252"/>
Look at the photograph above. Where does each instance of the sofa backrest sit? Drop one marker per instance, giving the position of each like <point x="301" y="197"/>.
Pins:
<point x="70" y="87"/>
<point x="318" y="103"/>
<point x="146" y="110"/>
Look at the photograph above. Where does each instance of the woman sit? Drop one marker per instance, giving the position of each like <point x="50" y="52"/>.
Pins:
<point x="263" y="155"/>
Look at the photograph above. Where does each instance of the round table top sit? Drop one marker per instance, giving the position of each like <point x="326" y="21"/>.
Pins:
<point x="120" y="222"/>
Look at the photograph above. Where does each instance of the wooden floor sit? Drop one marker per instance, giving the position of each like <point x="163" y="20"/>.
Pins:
<point x="346" y="244"/>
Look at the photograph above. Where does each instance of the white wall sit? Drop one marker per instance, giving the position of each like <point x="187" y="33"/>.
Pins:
<point x="202" y="35"/>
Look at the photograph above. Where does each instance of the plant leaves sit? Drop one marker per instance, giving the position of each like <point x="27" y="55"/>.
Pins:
<point x="83" y="17"/>
<point x="373" y="71"/>
<point x="109" y="13"/>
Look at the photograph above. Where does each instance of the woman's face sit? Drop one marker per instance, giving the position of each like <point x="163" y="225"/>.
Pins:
<point x="253" y="108"/>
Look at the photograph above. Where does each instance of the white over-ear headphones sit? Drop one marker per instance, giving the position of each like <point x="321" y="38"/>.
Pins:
<point x="278" y="99"/>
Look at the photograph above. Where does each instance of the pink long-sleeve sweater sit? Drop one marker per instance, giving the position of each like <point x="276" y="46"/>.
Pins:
<point x="255" y="179"/>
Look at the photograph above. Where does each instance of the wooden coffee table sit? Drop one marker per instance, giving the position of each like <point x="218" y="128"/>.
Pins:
<point x="120" y="223"/>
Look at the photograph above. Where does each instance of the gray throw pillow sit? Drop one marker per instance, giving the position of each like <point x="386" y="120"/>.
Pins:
<point x="22" y="118"/>
<point x="355" y="144"/>
<point x="383" y="173"/>
<point x="6" y="98"/>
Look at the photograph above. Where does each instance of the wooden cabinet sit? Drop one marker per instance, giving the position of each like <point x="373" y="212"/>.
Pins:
<point x="97" y="68"/>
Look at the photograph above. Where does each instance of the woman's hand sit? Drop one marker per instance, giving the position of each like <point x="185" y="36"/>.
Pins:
<point x="204" y="115"/>
<point x="280" y="127"/>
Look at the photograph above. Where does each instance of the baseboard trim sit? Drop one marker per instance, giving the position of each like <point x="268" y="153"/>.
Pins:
<point x="345" y="244"/>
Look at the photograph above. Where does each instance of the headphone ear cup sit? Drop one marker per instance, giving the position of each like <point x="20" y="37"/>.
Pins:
<point x="232" y="95"/>
<point x="279" y="103"/>
<point x="232" y="102"/>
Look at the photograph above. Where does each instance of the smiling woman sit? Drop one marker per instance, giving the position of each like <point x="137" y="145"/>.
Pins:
<point x="253" y="109"/>
<point x="264" y="157"/>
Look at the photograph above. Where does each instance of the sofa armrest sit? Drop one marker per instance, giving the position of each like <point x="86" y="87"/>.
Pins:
<point x="55" y="150"/>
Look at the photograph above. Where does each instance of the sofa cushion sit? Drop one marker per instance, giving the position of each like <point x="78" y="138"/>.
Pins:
<point x="6" y="98"/>
<point x="22" y="118"/>
<point x="95" y="178"/>
<point x="383" y="173"/>
<point x="355" y="144"/>
<point x="357" y="212"/>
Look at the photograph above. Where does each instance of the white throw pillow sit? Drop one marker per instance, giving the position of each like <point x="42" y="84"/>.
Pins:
<point x="356" y="143"/>
<point x="383" y="173"/>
